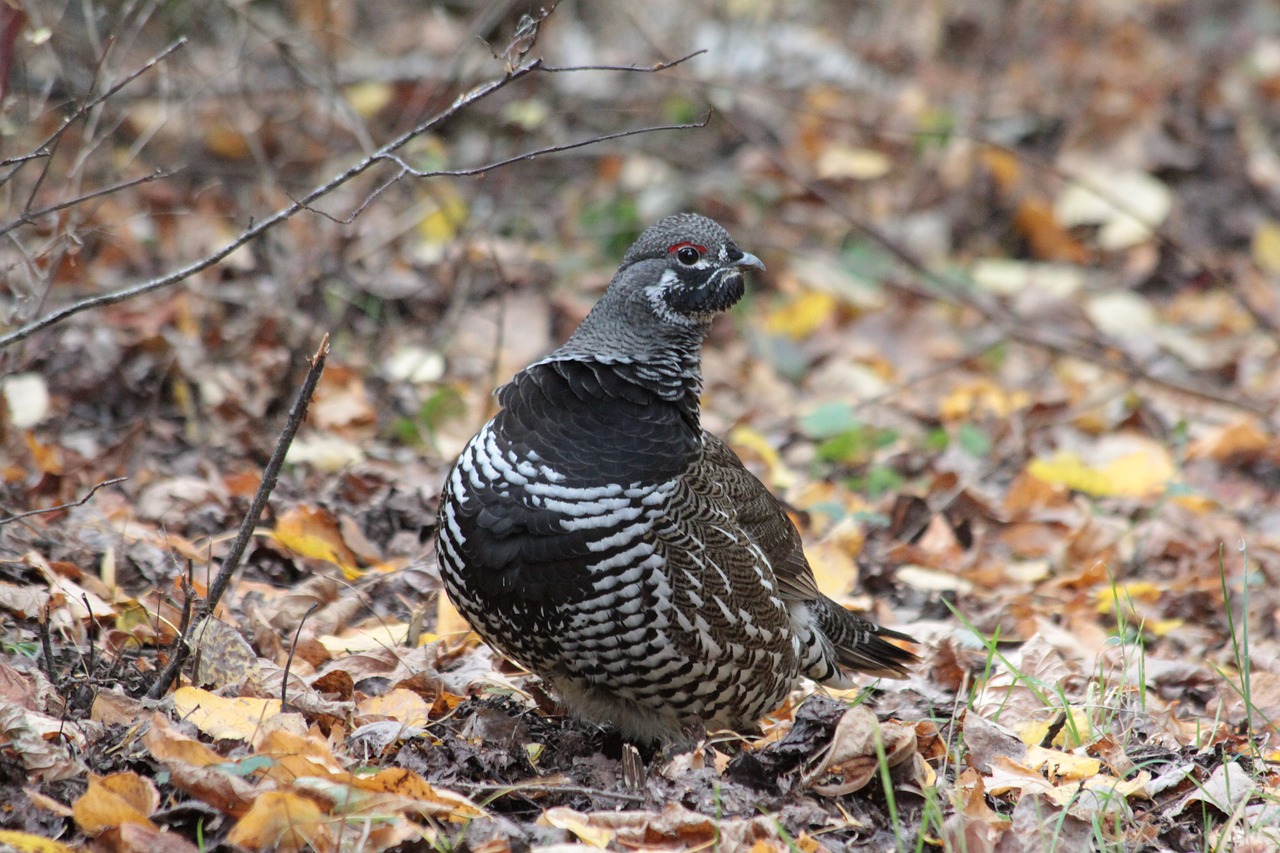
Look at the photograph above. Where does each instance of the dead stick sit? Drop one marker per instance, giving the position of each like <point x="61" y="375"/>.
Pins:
<point x="297" y="413"/>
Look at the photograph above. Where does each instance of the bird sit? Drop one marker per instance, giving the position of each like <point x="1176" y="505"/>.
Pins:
<point x="595" y="534"/>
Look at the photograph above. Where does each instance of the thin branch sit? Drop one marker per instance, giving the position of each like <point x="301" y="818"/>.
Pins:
<point x="32" y="216"/>
<point x="44" y="148"/>
<point x="293" y="647"/>
<point x="238" y="546"/>
<point x="384" y="153"/>
<point x="462" y="101"/>
<point x="657" y="66"/>
<point x="60" y="507"/>
<point x="539" y="152"/>
<point x="23" y="158"/>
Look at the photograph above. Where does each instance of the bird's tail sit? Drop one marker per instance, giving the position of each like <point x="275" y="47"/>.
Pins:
<point x="860" y="645"/>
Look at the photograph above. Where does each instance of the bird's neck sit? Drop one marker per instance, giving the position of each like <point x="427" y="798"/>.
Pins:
<point x="669" y="368"/>
<point x="604" y="419"/>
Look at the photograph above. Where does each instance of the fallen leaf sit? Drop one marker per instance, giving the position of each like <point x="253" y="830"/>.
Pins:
<point x="313" y="531"/>
<point x="115" y="799"/>
<point x="282" y="821"/>
<point x="240" y="718"/>
<point x="1145" y="472"/>
<point x="26" y="396"/>
<point x="1265" y="246"/>
<point x="1126" y="203"/>
<point x="800" y="317"/>
<point x="577" y="823"/>
<point x="223" y="656"/>
<point x="403" y="706"/>
<point x="24" y="842"/>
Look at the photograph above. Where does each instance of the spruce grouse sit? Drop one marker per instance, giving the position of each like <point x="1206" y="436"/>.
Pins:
<point x="594" y="533"/>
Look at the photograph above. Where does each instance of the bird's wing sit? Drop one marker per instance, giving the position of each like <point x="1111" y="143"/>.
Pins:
<point x="855" y="643"/>
<point x="763" y="519"/>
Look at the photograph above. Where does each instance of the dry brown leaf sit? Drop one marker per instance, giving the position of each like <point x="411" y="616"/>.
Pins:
<point x="1241" y="440"/>
<point x="427" y="799"/>
<point x="223" y="657"/>
<point x="403" y="706"/>
<point x="986" y="741"/>
<point x="974" y="827"/>
<point x="46" y="747"/>
<point x="168" y="745"/>
<point x="341" y="399"/>
<point x="579" y="824"/>
<point x="851" y="761"/>
<point x="113" y="800"/>
<point x="283" y="821"/>
<point x="221" y="788"/>
<point x="136" y="838"/>
<point x="240" y="718"/>
<point x="296" y="755"/>
<point x="312" y="531"/>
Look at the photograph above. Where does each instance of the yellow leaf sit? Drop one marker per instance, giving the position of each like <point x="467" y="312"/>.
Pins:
<point x="845" y="161"/>
<point x="442" y="220"/>
<point x="1160" y="627"/>
<point x="801" y="317"/>
<point x="232" y="719"/>
<point x="114" y="800"/>
<point x="313" y="532"/>
<point x="1266" y="247"/>
<point x="438" y="802"/>
<point x="1199" y="504"/>
<point x="282" y="820"/>
<point x="1061" y="766"/>
<point x="449" y="622"/>
<point x="402" y="705"/>
<point x="746" y="438"/>
<point x="981" y="398"/>
<point x="369" y="98"/>
<point x="1142" y="473"/>
<point x="833" y="559"/>
<point x="1126" y="593"/>
<point x="1032" y="732"/>
<point x="26" y="843"/>
<point x="578" y="823"/>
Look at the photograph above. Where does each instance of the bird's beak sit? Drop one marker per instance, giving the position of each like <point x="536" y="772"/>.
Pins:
<point x="749" y="261"/>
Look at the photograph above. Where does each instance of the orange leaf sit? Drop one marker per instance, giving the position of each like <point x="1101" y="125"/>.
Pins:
<point x="312" y="531"/>
<point x="113" y="800"/>
<point x="282" y="820"/>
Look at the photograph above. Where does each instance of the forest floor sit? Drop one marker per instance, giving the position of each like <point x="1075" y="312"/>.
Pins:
<point x="1014" y="365"/>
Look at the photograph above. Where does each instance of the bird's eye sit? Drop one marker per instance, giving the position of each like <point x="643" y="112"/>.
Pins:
<point x="688" y="255"/>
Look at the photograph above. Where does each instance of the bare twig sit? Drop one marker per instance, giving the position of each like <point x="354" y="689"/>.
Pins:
<point x="42" y="150"/>
<point x="506" y="790"/>
<point x="293" y="647"/>
<point x="238" y="545"/>
<point x="81" y="502"/>
<point x="657" y="66"/>
<point x="406" y="169"/>
<point x="384" y="153"/>
<point x="538" y="152"/>
<point x="30" y="217"/>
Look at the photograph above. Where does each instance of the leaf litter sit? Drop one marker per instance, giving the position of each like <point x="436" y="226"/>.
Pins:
<point x="1028" y="414"/>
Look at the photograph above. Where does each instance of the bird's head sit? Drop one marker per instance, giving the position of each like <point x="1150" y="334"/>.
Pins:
<point x="685" y="268"/>
<point x="682" y="271"/>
